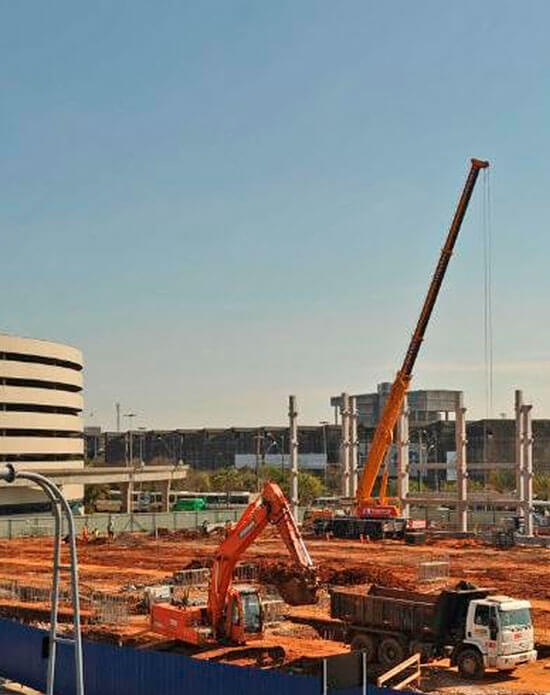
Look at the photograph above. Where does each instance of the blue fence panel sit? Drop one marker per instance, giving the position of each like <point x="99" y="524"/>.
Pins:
<point x="112" y="670"/>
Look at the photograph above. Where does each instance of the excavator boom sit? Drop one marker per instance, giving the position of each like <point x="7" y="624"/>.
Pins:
<point x="390" y="413"/>
<point x="270" y="508"/>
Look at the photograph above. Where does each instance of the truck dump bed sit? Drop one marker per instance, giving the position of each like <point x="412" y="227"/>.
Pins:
<point x="392" y="610"/>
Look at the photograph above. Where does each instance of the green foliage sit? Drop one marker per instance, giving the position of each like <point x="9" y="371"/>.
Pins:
<point x="541" y="486"/>
<point x="235" y="479"/>
<point x="198" y="481"/>
<point x="502" y="481"/>
<point x="92" y="493"/>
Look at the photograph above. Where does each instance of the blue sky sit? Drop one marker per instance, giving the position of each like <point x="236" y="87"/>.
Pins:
<point x="222" y="203"/>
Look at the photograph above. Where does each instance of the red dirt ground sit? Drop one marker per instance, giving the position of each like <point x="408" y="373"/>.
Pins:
<point x="138" y="560"/>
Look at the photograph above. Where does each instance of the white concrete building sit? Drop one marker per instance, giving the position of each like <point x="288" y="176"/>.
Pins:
<point x="40" y="415"/>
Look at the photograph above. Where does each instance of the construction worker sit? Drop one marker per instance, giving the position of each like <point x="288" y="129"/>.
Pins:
<point x="111" y="530"/>
<point x="85" y="534"/>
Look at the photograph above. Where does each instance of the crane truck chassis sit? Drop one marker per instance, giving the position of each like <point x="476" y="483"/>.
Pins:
<point x="475" y="627"/>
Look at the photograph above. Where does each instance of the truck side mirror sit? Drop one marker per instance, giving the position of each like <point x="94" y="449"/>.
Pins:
<point x="493" y="628"/>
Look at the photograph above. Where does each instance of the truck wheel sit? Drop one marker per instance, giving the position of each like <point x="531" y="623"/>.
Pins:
<point x="470" y="664"/>
<point x="390" y="651"/>
<point x="364" y="643"/>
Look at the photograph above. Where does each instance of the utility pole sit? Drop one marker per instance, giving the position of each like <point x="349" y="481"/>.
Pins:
<point x="324" y="423"/>
<point x="117" y="408"/>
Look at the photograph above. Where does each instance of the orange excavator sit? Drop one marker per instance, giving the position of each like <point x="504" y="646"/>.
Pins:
<point x="370" y="511"/>
<point x="234" y="614"/>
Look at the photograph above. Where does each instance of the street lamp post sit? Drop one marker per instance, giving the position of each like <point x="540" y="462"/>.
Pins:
<point x="130" y="416"/>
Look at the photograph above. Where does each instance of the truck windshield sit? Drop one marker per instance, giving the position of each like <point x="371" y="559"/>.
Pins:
<point x="520" y="617"/>
<point x="251" y="612"/>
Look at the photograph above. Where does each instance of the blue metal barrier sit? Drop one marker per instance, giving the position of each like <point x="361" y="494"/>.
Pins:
<point x="110" y="670"/>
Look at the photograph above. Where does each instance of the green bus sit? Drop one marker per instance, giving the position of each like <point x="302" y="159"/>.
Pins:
<point x="191" y="504"/>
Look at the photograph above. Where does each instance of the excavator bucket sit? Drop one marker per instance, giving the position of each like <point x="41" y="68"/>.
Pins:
<point x="296" y="588"/>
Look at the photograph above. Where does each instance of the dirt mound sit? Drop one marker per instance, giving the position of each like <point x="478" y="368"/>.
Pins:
<point x="348" y="576"/>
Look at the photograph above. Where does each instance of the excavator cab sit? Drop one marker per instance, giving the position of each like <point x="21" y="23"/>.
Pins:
<point x="244" y="615"/>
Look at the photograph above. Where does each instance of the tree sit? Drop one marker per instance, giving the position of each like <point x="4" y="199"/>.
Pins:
<point x="92" y="493"/>
<point x="541" y="486"/>
<point x="196" y="481"/>
<point x="502" y="481"/>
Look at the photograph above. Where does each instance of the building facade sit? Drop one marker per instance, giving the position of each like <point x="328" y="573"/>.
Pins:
<point x="40" y="416"/>
<point x="424" y="406"/>
<point x="208" y="449"/>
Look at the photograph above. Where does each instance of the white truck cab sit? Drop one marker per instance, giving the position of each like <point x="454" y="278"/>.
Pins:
<point x="498" y="634"/>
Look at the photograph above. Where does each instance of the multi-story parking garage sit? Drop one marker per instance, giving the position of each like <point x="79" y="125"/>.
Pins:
<point x="40" y="415"/>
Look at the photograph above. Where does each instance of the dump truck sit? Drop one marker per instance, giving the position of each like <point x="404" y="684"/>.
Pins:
<point x="475" y="627"/>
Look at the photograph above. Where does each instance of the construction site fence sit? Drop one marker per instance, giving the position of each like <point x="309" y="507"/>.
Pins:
<point x="110" y="670"/>
<point x="147" y="522"/>
<point x="159" y="522"/>
<point x="448" y="518"/>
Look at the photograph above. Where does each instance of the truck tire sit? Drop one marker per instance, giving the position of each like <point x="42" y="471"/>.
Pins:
<point x="390" y="651"/>
<point x="470" y="664"/>
<point x="363" y="642"/>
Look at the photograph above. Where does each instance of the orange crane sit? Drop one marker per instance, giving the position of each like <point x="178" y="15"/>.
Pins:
<point x="380" y="507"/>
<point x="234" y="613"/>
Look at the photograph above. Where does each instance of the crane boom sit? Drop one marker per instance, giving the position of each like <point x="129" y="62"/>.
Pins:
<point x="390" y="413"/>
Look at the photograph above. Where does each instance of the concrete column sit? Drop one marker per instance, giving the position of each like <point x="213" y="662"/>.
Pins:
<point x="461" y="471"/>
<point x="520" y="441"/>
<point x="165" y="489"/>
<point x="126" y="490"/>
<point x="403" y="458"/>
<point x="345" y="447"/>
<point x="527" y="469"/>
<point x="354" y="445"/>
<point x="293" y="444"/>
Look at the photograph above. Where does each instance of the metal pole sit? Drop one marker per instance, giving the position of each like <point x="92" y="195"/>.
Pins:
<point x="461" y="472"/>
<point x="520" y="452"/>
<point x="345" y="445"/>
<point x="9" y="474"/>
<point x="527" y="470"/>
<point x="354" y="445"/>
<point x="403" y="458"/>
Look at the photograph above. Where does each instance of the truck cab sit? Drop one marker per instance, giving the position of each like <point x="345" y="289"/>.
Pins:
<point x="498" y="634"/>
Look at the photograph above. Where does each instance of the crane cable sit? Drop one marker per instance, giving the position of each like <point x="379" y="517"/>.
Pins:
<point x="487" y="303"/>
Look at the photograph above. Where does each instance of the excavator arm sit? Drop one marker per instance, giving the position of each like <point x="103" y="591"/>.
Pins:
<point x="271" y="507"/>
<point x="390" y="413"/>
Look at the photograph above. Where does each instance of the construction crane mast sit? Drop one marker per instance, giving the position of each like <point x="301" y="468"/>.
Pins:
<point x="366" y="504"/>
